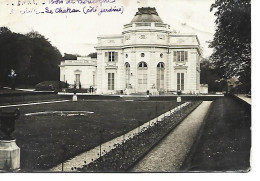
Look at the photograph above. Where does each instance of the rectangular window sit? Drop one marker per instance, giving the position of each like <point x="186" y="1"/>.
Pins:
<point x="111" y="56"/>
<point x="77" y="79"/>
<point x="180" y="81"/>
<point x="180" y="56"/>
<point x="111" y="81"/>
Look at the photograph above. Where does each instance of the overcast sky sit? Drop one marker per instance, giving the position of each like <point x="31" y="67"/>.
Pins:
<point x="77" y="32"/>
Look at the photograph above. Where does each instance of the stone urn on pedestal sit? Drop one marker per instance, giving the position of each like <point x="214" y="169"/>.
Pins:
<point x="129" y="89"/>
<point x="154" y="91"/>
<point x="9" y="151"/>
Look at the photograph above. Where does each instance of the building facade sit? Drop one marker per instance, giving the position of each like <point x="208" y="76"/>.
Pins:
<point x="80" y="72"/>
<point x="147" y="56"/>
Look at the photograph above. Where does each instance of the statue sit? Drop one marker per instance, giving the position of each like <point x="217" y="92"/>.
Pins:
<point x="12" y="76"/>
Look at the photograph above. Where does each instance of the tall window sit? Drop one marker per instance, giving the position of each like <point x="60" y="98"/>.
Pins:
<point x="77" y="79"/>
<point x="142" y="76"/>
<point x="111" y="81"/>
<point x="111" y="56"/>
<point x="160" y="76"/>
<point x="180" y="81"/>
<point x="127" y="74"/>
<point x="180" y="56"/>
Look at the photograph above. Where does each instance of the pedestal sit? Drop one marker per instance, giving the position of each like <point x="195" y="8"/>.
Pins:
<point x="129" y="91"/>
<point x="154" y="92"/>
<point x="74" y="98"/>
<point x="9" y="155"/>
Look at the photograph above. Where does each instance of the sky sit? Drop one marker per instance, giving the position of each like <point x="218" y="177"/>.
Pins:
<point x="77" y="33"/>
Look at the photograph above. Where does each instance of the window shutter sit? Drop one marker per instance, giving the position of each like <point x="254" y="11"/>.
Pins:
<point x="174" y="56"/>
<point x="186" y="56"/>
<point x="106" y="54"/>
<point x="116" y="56"/>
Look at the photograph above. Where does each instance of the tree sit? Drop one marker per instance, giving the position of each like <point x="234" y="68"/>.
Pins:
<point x="68" y="56"/>
<point x="32" y="57"/>
<point x="44" y="60"/>
<point x="209" y="75"/>
<point x="92" y="55"/>
<point x="14" y="54"/>
<point x="232" y="40"/>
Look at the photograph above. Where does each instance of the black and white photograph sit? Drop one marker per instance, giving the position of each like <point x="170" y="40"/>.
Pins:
<point x="125" y="86"/>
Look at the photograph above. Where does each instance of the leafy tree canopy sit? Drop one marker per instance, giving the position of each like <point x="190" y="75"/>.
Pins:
<point x="232" y="39"/>
<point x="93" y="55"/>
<point x="32" y="57"/>
<point x="69" y="56"/>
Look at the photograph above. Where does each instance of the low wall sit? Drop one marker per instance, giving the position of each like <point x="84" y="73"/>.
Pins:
<point x="143" y="97"/>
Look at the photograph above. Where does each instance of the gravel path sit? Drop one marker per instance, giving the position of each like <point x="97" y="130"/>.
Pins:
<point x="169" y="155"/>
<point x="91" y="155"/>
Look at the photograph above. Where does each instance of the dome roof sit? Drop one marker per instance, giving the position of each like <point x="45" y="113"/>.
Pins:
<point x="147" y="14"/>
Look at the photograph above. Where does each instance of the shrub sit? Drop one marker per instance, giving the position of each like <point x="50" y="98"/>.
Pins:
<point x="50" y="86"/>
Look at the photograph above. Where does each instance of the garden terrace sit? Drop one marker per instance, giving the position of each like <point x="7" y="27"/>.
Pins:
<point x="47" y="140"/>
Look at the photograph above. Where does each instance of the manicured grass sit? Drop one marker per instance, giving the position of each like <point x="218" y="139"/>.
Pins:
<point x="47" y="140"/>
<point x="26" y="97"/>
<point x="9" y="91"/>
<point x="225" y="142"/>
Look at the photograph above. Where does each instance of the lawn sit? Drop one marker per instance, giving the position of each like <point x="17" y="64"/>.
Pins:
<point x="47" y="140"/>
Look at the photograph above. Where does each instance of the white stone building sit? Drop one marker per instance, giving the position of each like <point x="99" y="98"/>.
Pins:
<point x="81" y="71"/>
<point x="146" y="56"/>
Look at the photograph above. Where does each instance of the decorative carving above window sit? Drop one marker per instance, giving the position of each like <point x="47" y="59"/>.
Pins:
<point x="111" y="41"/>
<point x="161" y="37"/>
<point x="142" y="37"/>
<point x="180" y="40"/>
<point x="127" y="37"/>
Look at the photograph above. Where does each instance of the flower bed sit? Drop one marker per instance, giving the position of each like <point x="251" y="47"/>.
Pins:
<point x="125" y="155"/>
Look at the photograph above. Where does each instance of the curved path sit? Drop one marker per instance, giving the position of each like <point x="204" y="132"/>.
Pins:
<point x="169" y="155"/>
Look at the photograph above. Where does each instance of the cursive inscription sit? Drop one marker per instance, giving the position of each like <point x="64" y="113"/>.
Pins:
<point x="100" y="7"/>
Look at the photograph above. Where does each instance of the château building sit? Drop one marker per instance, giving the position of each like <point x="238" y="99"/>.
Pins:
<point x="146" y="56"/>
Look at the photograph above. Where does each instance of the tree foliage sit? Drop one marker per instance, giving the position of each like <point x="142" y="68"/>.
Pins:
<point x="32" y="57"/>
<point x="232" y="39"/>
<point x="209" y="75"/>
<point x="69" y="57"/>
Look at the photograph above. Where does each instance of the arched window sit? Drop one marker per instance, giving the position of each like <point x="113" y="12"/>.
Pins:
<point x="127" y="74"/>
<point x="160" y="76"/>
<point x="142" y="65"/>
<point x="142" y="76"/>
